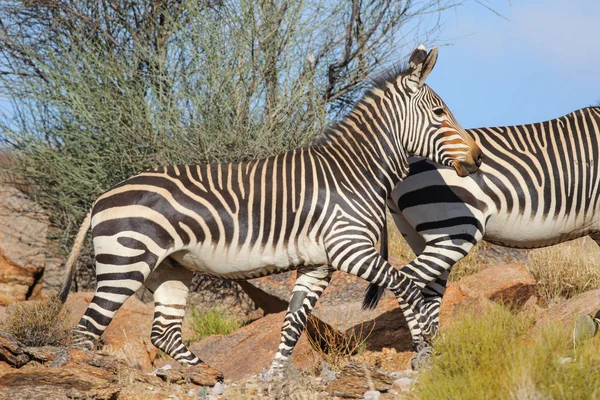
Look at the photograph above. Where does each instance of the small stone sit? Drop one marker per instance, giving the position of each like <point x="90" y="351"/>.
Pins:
<point x="372" y="395"/>
<point x="61" y="359"/>
<point x="165" y="367"/>
<point x="402" y="383"/>
<point x="218" y="389"/>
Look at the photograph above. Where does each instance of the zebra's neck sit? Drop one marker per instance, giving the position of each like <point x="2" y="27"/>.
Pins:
<point x="365" y="138"/>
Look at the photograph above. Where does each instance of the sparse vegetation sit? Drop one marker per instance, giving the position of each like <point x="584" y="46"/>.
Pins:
<point x="493" y="356"/>
<point x="335" y="348"/>
<point x="213" y="321"/>
<point x="565" y="270"/>
<point x="40" y="323"/>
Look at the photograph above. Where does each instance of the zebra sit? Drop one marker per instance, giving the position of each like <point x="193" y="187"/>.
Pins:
<point x="315" y="209"/>
<point x="539" y="186"/>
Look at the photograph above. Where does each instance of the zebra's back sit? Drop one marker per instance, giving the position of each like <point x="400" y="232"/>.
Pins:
<point x="539" y="184"/>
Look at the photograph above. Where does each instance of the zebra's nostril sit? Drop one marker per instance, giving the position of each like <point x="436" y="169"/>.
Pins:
<point x="479" y="160"/>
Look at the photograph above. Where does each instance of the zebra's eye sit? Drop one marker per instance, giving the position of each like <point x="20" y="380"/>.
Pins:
<point x="439" y="111"/>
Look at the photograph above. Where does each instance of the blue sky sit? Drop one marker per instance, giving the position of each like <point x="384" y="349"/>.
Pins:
<point x="541" y="63"/>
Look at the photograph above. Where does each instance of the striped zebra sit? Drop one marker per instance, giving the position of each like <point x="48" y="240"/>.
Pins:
<point x="316" y="209"/>
<point x="539" y="186"/>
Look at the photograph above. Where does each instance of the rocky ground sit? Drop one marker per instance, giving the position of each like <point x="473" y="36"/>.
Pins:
<point x="129" y="367"/>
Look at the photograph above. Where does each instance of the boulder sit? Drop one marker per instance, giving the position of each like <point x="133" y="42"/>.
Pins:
<point x="128" y="335"/>
<point x="356" y="379"/>
<point x="339" y="308"/>
<point x="566" y="312"/>
<point x="509" y="284"/>
<point x="23" y="229"/>
<point x="250" y="349"/>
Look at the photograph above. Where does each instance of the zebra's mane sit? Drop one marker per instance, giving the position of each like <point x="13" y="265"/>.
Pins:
<point x="379" y="82"/>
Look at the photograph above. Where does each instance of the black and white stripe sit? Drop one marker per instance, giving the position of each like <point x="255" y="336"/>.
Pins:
<point x="539" y="186"/>
<point x="315" y="209"/>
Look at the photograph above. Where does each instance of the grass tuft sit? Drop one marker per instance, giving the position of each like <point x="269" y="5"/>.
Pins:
<point x="40" y="323"/>
<point x="492" y="356"/>
<point x="212" y="322"/>
<point x="334" y="348"/>
<point x="565" y="270"/>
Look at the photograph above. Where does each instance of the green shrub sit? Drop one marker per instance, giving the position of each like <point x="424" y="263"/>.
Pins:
<point x="497" y="356"/>
<point x="212" y="322"/>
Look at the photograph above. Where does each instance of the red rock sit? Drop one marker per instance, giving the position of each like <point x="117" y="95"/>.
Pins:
<point x="340" y="307"/>
<point x="355" y="379"/>
<point x="128" y="335"/>
<point x="566" y="312"/>
<point x="201" y="375"/>
<point x="23" y="228"/>
<point x="507" y="284"/>
<point x="11" y="351"/>
<point x="250" y="349"/>
<point x="42" y="382"/>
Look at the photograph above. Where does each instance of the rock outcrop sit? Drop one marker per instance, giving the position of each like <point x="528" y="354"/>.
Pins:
<point x="55" y="373"/>
<point x="23" y="229"/>
<point x="356" y="379"/>
<point x="509" y="284"/>
<point x="250" y="349"/>
<point x="128" y="335"/>
<point x="565" y="313"/>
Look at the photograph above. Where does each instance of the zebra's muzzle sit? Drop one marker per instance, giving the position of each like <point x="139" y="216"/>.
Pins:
<point x="471" y="165"/>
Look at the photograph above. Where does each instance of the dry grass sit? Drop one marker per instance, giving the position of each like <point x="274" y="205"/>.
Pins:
<point x="565" y="270"/>
<point x="494" y="356"/>
<point x="40" y="323"/>
<point x="334" y="348"/>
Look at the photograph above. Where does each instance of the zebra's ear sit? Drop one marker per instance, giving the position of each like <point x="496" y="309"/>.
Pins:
<point x="420" y="65"/>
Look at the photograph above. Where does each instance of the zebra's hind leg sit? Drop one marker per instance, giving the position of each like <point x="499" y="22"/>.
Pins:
<point x="170" y="285"/>
<point x="119" y="275"/>
<point x="310" y="284"/>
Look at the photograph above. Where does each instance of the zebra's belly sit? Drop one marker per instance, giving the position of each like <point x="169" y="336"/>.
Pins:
<point x="244" y="262"/>
<point x="536" y="232"/>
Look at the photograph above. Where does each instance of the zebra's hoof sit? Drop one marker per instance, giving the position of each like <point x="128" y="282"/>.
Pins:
<point x="422" y="357"/>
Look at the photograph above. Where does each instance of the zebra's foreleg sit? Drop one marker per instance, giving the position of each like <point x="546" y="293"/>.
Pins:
<point x="310" y="284"/>
<point x="433" y="293"/>
<point x="366" y="263"/>
<point x="170" y="285"/>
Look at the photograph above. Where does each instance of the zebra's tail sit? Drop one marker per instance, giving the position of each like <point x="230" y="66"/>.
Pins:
<point x="70" y="265"/>
<point x="374" y="293"/>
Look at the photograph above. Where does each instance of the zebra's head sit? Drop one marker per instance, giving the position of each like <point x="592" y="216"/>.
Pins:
<point x="433" y="131"/>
